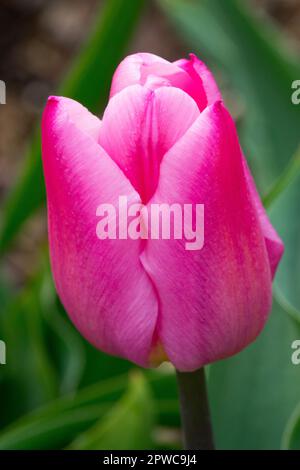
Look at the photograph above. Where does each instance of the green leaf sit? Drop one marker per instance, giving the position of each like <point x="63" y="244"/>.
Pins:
<point x="90" y="78"/>
<point x="88" y="82"/>
<point x="45" y="353"/>
<point x="128" y="425"/>
<point x="284" y="181"/>
<point x="56" y="424"/>
<point x="256" y="66"/>
<point x="63" y="341"/>
<point x="254" y="393"/>
<point x="284" y="214"/>
<point x="53" y="427"/>
<point x="53" y="433"/>
<point x="164" y="388"/>
<point x="291" y="435"/>
<point x="32" y="379"/>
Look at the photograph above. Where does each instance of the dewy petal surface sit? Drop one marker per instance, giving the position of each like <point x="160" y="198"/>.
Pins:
<point x="140" y="125"/>
<point x="101" y="283"/>
<point x="214" y="301"/>
<point x="152" y="71"/>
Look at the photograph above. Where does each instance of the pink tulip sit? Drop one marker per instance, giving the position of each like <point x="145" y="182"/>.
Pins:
<point x="165" y="137"/>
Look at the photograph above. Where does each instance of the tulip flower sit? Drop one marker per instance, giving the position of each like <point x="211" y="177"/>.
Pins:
<point x="165" y="138"/>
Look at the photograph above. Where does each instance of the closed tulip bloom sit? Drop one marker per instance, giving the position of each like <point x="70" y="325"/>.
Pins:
<point x="165" y="137"/>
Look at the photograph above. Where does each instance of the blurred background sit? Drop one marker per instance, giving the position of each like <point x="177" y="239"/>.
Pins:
<point x="56" y="391"/>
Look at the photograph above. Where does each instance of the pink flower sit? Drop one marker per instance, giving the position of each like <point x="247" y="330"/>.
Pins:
<point x="165" y="137"/>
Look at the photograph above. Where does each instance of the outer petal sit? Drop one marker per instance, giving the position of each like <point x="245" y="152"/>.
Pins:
<point x="153" y="72"/>
<point x="274" y="245"/>
<point x="80" y="116"/>
<point x="201" y="74"/>
<point x="214" y="301"/>
<point x="101" y="283"/>
<point x="140" y="125"/>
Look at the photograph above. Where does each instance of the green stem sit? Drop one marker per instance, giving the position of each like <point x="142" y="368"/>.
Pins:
<point x="194" y="407"/>
<point x="288" y="175"/>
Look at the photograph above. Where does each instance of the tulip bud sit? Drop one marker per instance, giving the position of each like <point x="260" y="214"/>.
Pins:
<point x="165" y="138"/>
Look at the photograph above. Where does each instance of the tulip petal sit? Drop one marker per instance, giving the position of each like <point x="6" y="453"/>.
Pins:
<point x="153" y="72"/>
<point x="274" y="244"/>
<point x="213" y="301"/>
<point x="80" y="116"/>
<point x="101" y="283"/>
<point x="129" y="71"/>
<point x="139" y="126"/>
<point x="200" y="73"/>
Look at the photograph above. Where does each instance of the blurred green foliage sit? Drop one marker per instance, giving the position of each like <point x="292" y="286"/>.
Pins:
<point x="56" y="390"/>
<point x="88" y="82"/>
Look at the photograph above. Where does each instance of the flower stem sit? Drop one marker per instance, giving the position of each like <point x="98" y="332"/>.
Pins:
<point x="194" y="407"/>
